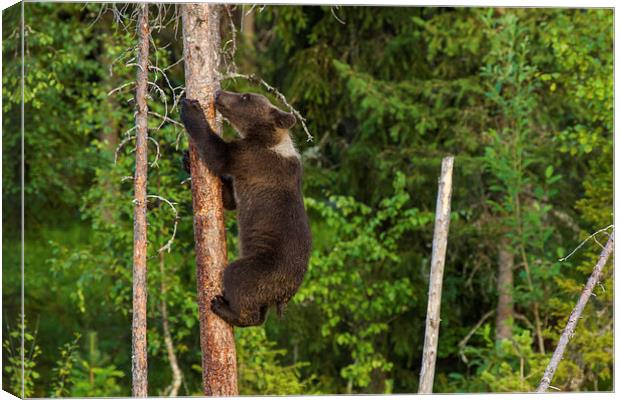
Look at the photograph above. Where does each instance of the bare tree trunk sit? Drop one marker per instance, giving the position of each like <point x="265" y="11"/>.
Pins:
<point x="569" y="330"/>
<point x="201" y="50"/>
<point x="505" y="285"/>
<point x="139" y="364"/>
<point x="440" y="242"/>
<point x="177" y="374"/>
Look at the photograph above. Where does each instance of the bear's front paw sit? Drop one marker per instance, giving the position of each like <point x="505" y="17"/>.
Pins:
<point x="192" y="115"/>
<point x="218" y="303"/>
<point x="190" y="105"/>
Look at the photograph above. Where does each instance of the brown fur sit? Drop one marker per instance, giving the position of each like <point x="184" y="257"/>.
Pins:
<point x="264" y="185"/>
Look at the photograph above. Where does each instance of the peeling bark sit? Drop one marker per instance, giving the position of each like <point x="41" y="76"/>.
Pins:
<point x="139" y="355"/>
<point x="201" y="51"/>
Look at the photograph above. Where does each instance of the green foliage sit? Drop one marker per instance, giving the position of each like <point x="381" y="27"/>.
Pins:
<point x="356" y="278"/>
<point x="260" y="368"/>
<point x="590" y="359"/>
<point x="57" y="119"/>
<point x="64" y="367"/>
<point x="502" y="366"/>
<point x="522" y="177"/>
<point x="94" y="376"/>
<point x="19" y="367"/>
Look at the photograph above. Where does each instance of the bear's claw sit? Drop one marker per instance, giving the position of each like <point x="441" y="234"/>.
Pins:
<point x="193" y="117"/>
<point x="189" y="102"/>
<point x="218" y="301"/>
<point x="218" y="304"/>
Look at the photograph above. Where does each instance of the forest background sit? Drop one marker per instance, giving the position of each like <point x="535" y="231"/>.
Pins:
<point x="522" y="97"/>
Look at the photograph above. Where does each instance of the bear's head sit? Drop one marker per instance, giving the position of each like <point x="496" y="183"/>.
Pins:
<point x="253" y="116"/>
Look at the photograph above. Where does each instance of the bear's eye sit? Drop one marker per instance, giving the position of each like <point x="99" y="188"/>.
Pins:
<point x="245" y="97"/>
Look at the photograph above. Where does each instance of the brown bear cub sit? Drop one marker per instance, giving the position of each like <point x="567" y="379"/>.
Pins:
<point x="261" y="174"/>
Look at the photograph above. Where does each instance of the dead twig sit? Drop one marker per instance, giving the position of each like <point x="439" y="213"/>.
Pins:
<point x="154" y="163"/>
<point x="231" y="67"/>
<point x="231" y="72"/>
<point x="162" y="95"/>
<point x="120" y="146"/>
<point x="569" y="330"/>
<point x="260" y="82"/>
<point x="168" y="244"/>
<point x="177" y="374"/>
<point x="129" y="138"/>
<point x="525" y="320"/>
<point x="163" y="73"/>
<point x="335" y="16"/>
<point x="473" y="330"/>
<point x="121" y="87"/>
<point x="584" y="242"/>
<point x="166" y="119"/>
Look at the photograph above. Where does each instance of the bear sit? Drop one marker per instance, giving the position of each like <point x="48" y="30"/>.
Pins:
<point x="261" y="172"/>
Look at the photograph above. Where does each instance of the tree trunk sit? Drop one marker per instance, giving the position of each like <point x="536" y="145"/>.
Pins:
<point x="201" y="51"/>
<point x="505" y="312"/>
<point x="440" y="242"/>
<point x="139" y="364"/>
<point x="569" y="330"/>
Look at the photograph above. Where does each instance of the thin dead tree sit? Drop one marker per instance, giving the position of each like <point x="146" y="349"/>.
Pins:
<point x="177" y="374"/>
<point x="201" y="52"/>
<point x="440" y="242"/>
<point x="139" y="355"/>
<point x="569" y="330"/>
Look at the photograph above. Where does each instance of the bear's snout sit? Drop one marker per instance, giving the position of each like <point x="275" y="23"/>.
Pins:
<point x="219" y="100"/>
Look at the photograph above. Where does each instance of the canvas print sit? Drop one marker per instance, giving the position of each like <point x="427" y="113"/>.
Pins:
<point x="234" y="199"/>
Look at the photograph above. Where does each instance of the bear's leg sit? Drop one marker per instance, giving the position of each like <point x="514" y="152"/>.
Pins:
<point x="219" y="305"/>
<point x="212" y="148"/>
<point x="194" y="119"/>
<point x="255" y="318"/>
<point x="228" y="193"/>
<point x="245" y="301"/>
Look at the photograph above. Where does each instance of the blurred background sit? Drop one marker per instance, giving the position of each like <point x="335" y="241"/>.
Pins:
<point x="522" y="97"/>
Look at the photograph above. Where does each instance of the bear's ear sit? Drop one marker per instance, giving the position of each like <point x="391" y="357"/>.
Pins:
<point x="283" y="119"/>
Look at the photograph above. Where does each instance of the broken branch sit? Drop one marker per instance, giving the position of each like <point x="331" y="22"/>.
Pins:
<point x="569" y="330"/>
